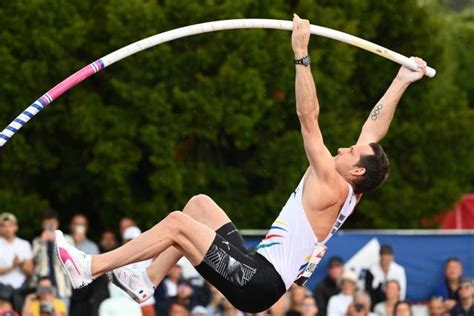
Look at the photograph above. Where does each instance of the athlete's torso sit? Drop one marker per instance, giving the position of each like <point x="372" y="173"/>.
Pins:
<point x="291" y="244"/>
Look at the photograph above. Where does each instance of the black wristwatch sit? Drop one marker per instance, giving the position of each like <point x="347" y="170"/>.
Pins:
<point x="305" y="61"/>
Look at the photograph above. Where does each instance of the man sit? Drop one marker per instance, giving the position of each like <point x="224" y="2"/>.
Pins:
<point x="86" y="301"/>
<point x="108" y="241"/>
<point x="125" y="223"/>
<point x="386" y="269"/>
<point x="16" y="264"/>
<point x="78" y="227"/>
<point x="46" y="261"/>
<point x="204" y="234"/>
<point x="465" y="307"/>
<point x="338" y="304"/>
<point x="329" y="286"/>
<point x="392" y="296"/>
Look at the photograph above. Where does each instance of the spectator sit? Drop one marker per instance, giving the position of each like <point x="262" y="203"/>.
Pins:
<point x="437" y="307"/>
<point x="178" y="308"/>
<point x="297" y="295"/>
<point x="167" y="290"/>
<point x="465" y="306"/>
<point x="387" y="269"/>
<point x="402" y="308"/>
<point x="125" y="223"/>
<point x="79" y="225"/>
<point x="392" y="296"/>
<point x="185" y="292"/>
<point x="308" y="307"/>
<point x="448" y="289"/>
<point x="329" y="286"/>
<point x="216" y="299"/>
<point x="86" y="301"/>
<point x="119" y="304"/>
<point x="147" y="307"/>
<point x="46" y="261"/>
<point x="360" y="305"/>
<point x="16" y="260"/>
<point x="44" y="302"/>
<point x="338" y="304"/>
<point x="108" y="241"/>
<point x="6" y="308"/>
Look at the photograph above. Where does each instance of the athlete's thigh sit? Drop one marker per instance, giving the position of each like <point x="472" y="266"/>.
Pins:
<point x="204" y="210"/>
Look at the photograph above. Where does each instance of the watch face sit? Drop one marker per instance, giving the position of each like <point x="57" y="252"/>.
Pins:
<point x="306" y="60"/>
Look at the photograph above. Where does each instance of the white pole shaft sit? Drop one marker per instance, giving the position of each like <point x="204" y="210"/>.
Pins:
<point x="259" y="23"/>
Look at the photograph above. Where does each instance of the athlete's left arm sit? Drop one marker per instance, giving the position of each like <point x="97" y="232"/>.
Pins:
<point x="377" y="124"/>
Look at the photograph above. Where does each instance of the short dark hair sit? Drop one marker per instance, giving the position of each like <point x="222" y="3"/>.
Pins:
<point x="451" y="259"/>
<point x="50" y="214"/>
<point x="376" y="170"/>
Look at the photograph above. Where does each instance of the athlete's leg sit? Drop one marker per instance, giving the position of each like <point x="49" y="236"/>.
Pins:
<point x="204" y="210"/>
<point x="178" y="230"/>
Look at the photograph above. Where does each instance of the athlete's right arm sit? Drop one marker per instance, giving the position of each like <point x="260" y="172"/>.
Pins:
<point x="307" y="105"/>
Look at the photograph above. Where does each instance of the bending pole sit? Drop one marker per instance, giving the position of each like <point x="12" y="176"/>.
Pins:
<point x="207" y="27"/>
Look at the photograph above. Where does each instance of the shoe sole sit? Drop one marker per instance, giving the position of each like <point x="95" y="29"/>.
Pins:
<point x="115" y="280"/>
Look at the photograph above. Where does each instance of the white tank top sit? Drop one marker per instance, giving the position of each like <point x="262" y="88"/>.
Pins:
<point x="291" y="245"/>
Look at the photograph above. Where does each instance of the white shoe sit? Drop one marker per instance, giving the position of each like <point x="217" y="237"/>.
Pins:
<point x="133" y="282"/>
<point x="76" y="263"/>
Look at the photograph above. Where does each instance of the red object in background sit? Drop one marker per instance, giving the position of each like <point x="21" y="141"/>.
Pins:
<point x="462" y="217"/>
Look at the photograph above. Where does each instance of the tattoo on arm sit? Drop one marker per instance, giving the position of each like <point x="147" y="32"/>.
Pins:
<point x="376" y="111"/>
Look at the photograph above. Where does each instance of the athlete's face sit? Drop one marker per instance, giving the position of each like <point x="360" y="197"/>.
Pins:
<point x="347" y="159"/>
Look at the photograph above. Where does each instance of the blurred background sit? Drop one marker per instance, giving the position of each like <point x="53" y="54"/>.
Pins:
<point x="215" y="113"/>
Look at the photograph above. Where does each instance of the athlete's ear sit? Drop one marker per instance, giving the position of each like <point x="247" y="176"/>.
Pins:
<point x="357" y="171"/>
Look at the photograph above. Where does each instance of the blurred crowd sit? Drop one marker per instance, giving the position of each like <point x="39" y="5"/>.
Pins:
<point x="33" y="283"/>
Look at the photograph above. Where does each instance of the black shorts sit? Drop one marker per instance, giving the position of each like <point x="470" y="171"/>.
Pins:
<point x="245" y="278"/>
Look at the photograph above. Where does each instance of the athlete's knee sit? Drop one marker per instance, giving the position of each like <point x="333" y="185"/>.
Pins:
<point x="173" y="222"/>
<point x="197" y="205"/>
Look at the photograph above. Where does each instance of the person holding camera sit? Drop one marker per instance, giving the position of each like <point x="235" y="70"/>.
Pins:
<point x="46" y="261"/>
<point x="360" y="305"/>
<point x="43" y="302"/>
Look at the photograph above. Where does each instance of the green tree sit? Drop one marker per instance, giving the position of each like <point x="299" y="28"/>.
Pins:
<point x="215" y="113"/>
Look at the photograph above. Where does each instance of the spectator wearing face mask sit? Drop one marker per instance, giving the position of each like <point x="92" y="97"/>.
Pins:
<point x="86" y="301"/>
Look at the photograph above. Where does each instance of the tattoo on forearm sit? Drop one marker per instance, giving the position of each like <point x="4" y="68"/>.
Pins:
<point x="376" y="111"/>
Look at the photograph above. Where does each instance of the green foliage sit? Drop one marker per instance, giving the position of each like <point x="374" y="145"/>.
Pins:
<point x="215" y="113"/>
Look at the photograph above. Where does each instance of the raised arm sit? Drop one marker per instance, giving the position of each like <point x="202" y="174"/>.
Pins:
<point x="307" y="105"/>
<point x="378" y="122"/>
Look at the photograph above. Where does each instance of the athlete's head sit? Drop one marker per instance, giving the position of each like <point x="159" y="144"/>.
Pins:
<point x="365" y="166"/>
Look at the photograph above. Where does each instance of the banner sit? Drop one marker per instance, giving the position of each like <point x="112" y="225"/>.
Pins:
<point x="422" y="254"/>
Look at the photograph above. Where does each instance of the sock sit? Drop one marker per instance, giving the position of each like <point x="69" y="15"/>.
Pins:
<point x="147" y="280"/>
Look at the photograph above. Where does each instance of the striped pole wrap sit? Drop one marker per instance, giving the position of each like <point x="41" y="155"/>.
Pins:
<point x="47" y="98"/>
<point x="154" y="40"/>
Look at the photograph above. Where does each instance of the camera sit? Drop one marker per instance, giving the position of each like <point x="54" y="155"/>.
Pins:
<point x="46" y="308"/>
<point x="359" y="307"/>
